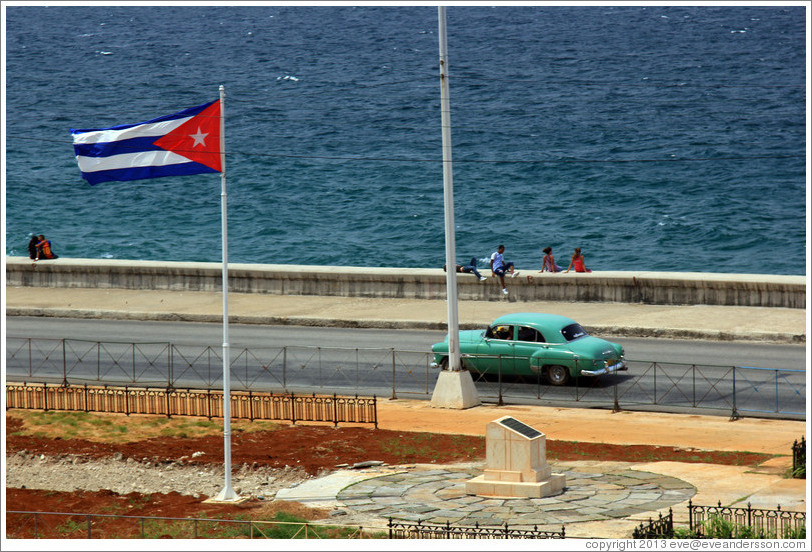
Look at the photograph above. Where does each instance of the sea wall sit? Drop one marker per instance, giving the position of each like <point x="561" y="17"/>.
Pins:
<point x="663" y="288"/>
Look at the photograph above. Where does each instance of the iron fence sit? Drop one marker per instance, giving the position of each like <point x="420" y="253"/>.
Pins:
<point x="799" y="459"/>
<point x="753" y="522"/>
<point x="420" y="530"/>
<point x="734" y="390"/>
<point x="660" y="528"/>
<point x="60" y="525"/>
<point x="247" y="405"/>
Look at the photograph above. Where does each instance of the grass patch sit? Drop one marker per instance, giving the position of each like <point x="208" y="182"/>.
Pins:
<point x="118" y="428"/>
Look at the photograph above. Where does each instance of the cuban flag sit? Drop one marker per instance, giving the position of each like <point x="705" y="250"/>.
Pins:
<point x="186" y="142"/>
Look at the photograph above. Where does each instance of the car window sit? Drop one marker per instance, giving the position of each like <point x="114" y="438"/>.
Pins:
<point x="500" y="332"/>
<point x="530" y="334"/>
<point x="573" y="331"/>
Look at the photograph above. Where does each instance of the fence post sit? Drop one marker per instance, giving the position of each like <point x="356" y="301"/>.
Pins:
<point x="64" y="364"/>
<point x="126" y="400"/>
<point x="85" y="396"/>
<point x="250" y="407"/>
<point x="394" y="396"/>
<point x="734" y="415"/>
<point x="749" y="515"/>
<point x="655" y="383"/>
<point x="777" y="409"/>
<point x="45" y="394"/>
<point x="292" y="409"/>
<point x="168" y="404"/>
<point x="693" y="385"/>
<point x="169" y="363"/>
<point x="284" y="367"/>
<point x="335" y="408"/>
<point x="690" y="516"/>
<point x="500" y="403"/>
<point x="616" y="406"/>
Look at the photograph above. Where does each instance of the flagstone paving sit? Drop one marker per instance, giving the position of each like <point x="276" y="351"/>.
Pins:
<point x="438" y="496"/>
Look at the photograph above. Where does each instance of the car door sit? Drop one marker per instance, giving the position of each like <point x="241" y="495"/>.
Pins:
<point x="528" y="341"/>
<point x="495" y="352"/>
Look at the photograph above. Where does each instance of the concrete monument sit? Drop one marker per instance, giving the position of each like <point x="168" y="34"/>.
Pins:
<point x="515" y="463"/>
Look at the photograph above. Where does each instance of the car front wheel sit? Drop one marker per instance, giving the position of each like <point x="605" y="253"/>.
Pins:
<point x="557" y="375"/>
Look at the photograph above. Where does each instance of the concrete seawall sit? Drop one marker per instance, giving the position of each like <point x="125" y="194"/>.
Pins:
<point x="655" y="288"/>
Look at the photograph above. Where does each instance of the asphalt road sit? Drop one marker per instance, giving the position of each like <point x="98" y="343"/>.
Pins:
<point x="716" y="353"/>
<point x="669" y="375"/>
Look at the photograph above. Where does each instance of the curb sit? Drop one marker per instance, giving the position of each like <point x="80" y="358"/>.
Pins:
<point x="603" y="331"/>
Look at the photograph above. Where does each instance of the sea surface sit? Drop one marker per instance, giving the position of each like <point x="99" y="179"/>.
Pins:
<point x="653" y="137"/>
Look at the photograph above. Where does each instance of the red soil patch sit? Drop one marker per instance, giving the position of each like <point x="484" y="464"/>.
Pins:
<point x="313" y="448"/>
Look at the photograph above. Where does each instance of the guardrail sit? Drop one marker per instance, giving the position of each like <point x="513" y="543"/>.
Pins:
<point x="733" y="390"/>
<point x="192" y="402"/>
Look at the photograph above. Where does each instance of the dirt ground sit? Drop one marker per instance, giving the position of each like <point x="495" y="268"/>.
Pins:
<point x="315" y="449"/>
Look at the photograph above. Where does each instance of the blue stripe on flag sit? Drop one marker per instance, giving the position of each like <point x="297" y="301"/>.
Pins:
<point x="137" y="173"/>
<point x="106" y="149"/>
<point x="191" y="112"/>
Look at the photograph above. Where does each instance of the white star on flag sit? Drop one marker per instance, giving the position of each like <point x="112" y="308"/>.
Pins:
<point x="199" y="138"/>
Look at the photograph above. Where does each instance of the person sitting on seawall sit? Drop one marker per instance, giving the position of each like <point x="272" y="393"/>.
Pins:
<point x="578" y="262"/>
<point x="469" y="268"/>
<point x="32" y="247"/>
<point x="548" y="262"/>
<point x="499" y="266"/>
<point x="44" y="249"/>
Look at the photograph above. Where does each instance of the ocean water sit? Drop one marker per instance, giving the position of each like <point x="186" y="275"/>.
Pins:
<point x="653" y="137"/>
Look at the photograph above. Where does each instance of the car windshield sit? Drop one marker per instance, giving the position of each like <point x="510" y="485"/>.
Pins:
<point x="573" y="331"/>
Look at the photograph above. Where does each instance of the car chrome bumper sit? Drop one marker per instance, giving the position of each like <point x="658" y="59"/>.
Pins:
<point x="609" y="369"/>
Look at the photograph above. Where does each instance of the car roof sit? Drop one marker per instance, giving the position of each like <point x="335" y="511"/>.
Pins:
<point x="534" y="319"/>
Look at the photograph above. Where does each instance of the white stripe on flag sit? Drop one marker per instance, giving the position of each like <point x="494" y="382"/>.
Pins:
<point x="129" y="160"/>
<point x="138" y="131"/>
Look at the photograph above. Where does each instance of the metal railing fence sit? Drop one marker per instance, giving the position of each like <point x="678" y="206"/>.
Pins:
<point x="734" y="390"/>
<point x="420" y="530"/>
<point x="799" y="459"/>
<point x="660" y="528"/>
<point x="60" y="525"/>
<point x="246" y="405"/>
<point x="757" y="522"/>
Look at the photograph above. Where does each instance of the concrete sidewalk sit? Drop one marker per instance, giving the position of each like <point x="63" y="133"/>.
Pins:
<point x="775" y="325"/>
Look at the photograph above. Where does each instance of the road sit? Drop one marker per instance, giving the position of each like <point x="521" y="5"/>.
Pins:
<point x="714" y="353"/>
<point x="665" y="374"/>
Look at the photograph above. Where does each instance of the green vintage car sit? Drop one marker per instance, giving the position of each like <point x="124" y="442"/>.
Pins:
<point x="533" y="344"/>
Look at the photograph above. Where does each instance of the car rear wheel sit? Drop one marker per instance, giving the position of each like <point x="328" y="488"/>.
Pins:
<point x="557" y="375"/>
<point x="444" y="364"/>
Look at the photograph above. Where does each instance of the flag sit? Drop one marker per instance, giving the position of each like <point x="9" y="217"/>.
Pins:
<point x="186" y="142"/>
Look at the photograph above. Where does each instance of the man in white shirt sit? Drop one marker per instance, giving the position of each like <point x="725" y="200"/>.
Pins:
<point x="499" y="267"/>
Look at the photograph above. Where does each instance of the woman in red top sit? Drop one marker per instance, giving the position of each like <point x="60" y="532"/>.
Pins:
<point x="44" y="249"/>
<point x="578" y="262"/>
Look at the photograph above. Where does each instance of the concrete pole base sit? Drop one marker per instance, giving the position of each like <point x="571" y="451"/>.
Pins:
<point x="455" y="389"/>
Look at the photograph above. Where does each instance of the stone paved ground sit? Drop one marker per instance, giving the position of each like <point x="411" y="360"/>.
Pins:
<point x="438" y="496"/>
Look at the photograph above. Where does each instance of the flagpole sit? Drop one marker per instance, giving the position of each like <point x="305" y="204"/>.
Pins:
<point x="227" y="493"/>
<point x="448" y="194"/>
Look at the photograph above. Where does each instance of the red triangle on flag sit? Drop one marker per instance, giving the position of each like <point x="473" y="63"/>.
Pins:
<point x="198" y="139"/>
